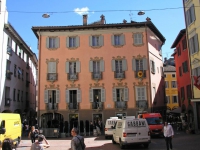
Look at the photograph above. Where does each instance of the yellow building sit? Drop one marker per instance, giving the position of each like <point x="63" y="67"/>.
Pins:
<point x="171" y="89"/>
<point x="192" y="19"/>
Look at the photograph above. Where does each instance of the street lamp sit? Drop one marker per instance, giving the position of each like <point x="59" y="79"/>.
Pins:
<point x="45" y="15"/>
<point x="140" y="13"/>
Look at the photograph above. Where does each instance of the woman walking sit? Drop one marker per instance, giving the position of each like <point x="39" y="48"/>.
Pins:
<point x="33" y="134"/>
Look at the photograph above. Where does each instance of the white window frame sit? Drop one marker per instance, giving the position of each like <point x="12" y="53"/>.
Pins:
<point x="95" y="40"/>
<point x="137" y="38"/>
<point x="52" y="42"/>
<point x="144" y="97"/>
<point x="72" y="42"/>
<point x="173" y="84"/>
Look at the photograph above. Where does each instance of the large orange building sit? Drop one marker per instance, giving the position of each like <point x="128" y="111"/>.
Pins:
<point x="95" y="71"/>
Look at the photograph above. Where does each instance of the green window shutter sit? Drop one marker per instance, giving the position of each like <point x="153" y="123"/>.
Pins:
<point x="67" y="42"/>
<point x="101" y="40"/>
<point x="126" y="94"/>
<point x="91" y="95"/>
<point x="144" y="63"/>
<point x="67" y="96"/>
<point x="113" y="40"/>
<point x="196" y="43"/>
<point x="102" y="65"/>
<point x="78" y="68"/>
<point x="47" y="42"/>
<point x="77" y="41"/>
<point x="90" y="40"/>
<point x="114" y="95"/>
<point x="124" y="65"/>
<point x="113" y="65"/>
<point x="134" y="64"/>
<point x="122" y="39"/>
<point x="57" y="40"/>
<point x="79" y="96"/>
<point x="67" y="67"/>
<point x="103" y="98"/>
<point x="46" y="99"/>
<point x="57" y="96"/>
<point x="91" y="66"/>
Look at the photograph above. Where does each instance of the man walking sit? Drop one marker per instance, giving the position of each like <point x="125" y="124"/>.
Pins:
<point x="168" y="133"/>
<point x="77" y="142"/>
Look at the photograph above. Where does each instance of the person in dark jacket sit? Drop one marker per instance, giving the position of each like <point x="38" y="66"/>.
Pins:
<point x="33" y="134"/>
<point x="77" y="142"/>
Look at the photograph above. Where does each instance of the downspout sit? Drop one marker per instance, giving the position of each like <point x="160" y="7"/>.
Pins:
<point x="150" y="102"/>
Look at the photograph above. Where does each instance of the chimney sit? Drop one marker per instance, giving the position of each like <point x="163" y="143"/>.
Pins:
<point x="124" y="21"/>
<point x="148" y="19"/>
<point x="102" y="19"/>
<point x="85" y="19"/>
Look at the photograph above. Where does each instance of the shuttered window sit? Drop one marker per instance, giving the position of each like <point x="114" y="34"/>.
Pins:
<point x="174" y="99"/>
<point x="194" y="44"/>
<point x="72" y="42"/>
<point x="96" y="40"/>
<point x="152" y="66"/>
<point x="51" y="67"/>
<point x="120" y="94"/>
<point x="118" y="40"/>
<point x="140" y="93"/>
<point x="190" y="15"/>
<point x="52" y="42"/>
<point x="137" y="38"/>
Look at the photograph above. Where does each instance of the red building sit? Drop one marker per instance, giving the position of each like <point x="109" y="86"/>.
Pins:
<point x="182" y="62"/>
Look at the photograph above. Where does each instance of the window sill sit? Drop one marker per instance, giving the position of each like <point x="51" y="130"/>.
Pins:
<point x="52" y="49"/>
<point x="138" y="45"/>
<point x="72" y="48"/>
<point x="96" y="47"/>
<point x="118" y="46"/>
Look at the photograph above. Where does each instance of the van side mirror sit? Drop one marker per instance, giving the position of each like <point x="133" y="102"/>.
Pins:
<point x="2" y="131"/>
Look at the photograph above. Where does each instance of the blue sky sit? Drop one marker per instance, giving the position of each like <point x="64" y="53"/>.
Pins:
<point x="167" y="15"/>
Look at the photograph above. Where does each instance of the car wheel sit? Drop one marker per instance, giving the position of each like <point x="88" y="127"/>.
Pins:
<point x="113" y="141"/>
<point x="146" y="145"/>
<point x="121" y="144"/>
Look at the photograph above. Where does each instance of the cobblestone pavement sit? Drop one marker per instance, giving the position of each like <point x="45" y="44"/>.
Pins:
<point x="181" y="141"/>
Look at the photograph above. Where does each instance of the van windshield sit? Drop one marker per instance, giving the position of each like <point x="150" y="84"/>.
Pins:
<point x="154" y="121"/>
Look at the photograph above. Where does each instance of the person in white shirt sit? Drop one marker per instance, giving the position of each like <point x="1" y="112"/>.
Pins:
<point x="169" y="134"/>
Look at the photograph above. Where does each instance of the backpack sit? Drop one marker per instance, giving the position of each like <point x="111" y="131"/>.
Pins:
<point x="83" y="146"/>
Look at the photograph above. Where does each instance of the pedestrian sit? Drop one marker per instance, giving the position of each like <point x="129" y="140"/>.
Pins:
<point x="33" y="134"/>
<point x="77" y="142"/>
<point x="7" y="145"/>
<point x="39" y="145"/>
<point x="91" y="128"/>
<point x="169" y="134"/>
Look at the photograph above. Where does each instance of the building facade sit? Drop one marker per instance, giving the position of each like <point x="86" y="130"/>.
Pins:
<point x="193" y="39"/>
<point x="171" y="89"/>
<point x="18" y="72"/>
<point x="181" y="57"/>
<point x="95" y="71"/>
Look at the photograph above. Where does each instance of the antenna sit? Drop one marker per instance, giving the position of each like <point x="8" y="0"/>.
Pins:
<point x="131" y="14"/>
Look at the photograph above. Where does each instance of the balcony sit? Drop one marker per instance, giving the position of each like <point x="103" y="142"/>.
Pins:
<point x="72" y="76"/>
<point x="119" y="75"/>
<point x="142" y="105"/>
<point x="7" y="101"/>
<point x="73" y="106"/>
<point x="51" y="106"/>
<point x="52" y="76"/>
<point x="120" y="105"/>
<point x="96" y="76"/>
<point x="97" y="105"/>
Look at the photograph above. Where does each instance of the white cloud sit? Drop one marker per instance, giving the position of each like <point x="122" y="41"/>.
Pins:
<point x="81" y="11"/>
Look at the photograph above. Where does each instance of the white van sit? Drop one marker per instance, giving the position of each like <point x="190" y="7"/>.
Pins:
<point x="109" y="126"/>
<point x="130" y="130"/>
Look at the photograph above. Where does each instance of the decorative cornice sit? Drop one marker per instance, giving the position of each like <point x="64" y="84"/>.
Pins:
<point x="52" y="86"/>
<point x="140" y="83"/>
<point x="95" y="85"/>
<point x="120" y="84"/>
<point x="139" y="57"/>
<point x="52" y="59"/>
<point x="72" y="86"/>
<point x="96" y="58"/>
<point x="118" y="58"/>
<point x="72" y="59"/>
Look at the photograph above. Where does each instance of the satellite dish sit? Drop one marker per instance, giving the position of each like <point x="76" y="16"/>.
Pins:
<point x="45" y="15"/>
